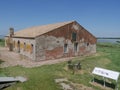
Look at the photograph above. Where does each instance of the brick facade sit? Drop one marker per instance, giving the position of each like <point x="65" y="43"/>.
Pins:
<point x="51" y="45"/>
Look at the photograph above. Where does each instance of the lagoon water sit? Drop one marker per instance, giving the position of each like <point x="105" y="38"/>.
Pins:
<point x="108" y="40"/>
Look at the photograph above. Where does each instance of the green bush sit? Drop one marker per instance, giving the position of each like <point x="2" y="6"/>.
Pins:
<point x="2" y="42"/>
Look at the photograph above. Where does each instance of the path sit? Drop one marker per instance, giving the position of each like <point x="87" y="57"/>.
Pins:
<point x="13" y="59"/>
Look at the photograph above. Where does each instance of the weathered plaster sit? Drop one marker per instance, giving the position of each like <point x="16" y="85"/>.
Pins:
<point x="28" y="42"/>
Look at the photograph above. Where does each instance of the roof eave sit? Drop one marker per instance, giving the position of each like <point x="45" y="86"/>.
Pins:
<point x="24" y="37"/>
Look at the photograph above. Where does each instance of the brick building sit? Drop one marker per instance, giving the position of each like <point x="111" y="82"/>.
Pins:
<point x="52" y="41"/>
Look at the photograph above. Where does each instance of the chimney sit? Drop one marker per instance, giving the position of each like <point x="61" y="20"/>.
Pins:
<point x="10" y="39"/>
<point x="11" y="32"/>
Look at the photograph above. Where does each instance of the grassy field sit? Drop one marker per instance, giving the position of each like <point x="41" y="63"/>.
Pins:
<point x="42" y="78"/>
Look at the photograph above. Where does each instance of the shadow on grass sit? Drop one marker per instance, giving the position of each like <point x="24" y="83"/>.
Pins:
<point x="107" y="84"/>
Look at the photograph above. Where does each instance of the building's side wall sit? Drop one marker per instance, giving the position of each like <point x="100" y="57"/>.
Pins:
<point x="51" y="44"/>
<point x="25" y="47"/>
<point x="40" y="46"/>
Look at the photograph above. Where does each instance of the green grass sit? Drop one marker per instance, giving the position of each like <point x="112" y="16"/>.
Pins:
<point x="42" y="78"/>
<point x="112" y="52"/>
<point x="2" y="42"/>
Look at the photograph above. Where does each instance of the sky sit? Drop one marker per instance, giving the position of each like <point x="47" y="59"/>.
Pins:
<point x="100" y="17"/>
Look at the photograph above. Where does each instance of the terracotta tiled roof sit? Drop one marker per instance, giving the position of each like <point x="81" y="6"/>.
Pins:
<point x="39" y="30"/>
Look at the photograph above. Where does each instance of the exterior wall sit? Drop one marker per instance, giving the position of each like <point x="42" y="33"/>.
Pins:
<point x="51" y="45"/>
<point x="25" y="47"/>
<point x="45" y="45"/>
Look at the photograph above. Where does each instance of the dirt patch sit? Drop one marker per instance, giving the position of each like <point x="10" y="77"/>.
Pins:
<point x="68" y="85"/>
<point x="104" y="61"/>
<point x="81" y="87"/>
<point x="97" y="54"/>
<point x="13" y="59"/>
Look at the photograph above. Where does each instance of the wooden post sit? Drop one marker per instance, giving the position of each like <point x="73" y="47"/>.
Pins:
<point x="93" y="79"/>
<point x="116" y="85"/>
<point x="104" y="81"/>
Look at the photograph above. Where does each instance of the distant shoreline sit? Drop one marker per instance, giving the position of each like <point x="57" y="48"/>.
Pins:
<point x="108" y="37"/>
<point x="1" y="36"/>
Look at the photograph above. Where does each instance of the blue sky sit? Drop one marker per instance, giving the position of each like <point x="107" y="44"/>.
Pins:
<point x="100" y="17"/>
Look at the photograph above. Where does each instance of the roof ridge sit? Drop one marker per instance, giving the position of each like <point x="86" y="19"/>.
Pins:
<point x="50" y="24"/>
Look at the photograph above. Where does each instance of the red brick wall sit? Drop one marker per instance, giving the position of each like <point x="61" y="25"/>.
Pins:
<point x="67" y="30"/>
<point x="55" y="53"/>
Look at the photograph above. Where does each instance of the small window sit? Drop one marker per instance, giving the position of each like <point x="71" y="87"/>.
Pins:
<point x="87" y="44"/>
<point x="65" y="48"/>
<point x="76" y="47"/>
<point x="74" y="36"/>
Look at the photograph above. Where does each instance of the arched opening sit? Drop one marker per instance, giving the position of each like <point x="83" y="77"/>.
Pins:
<point x="18" y="46"/>
<point x="31" y="48"/>
<point x="24" y="49"/>
<point x="65" y="48"/>
<point x="75" y="47"/>
<point x="14" y="44"/>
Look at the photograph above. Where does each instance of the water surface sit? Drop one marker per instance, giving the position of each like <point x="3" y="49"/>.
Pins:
<point x="108" y="40"/>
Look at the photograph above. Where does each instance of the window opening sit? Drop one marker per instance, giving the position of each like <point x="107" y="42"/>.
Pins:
<point x="65" y="48"/>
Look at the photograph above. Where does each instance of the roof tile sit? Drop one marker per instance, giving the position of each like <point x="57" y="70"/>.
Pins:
<point x="39" y="30"/>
